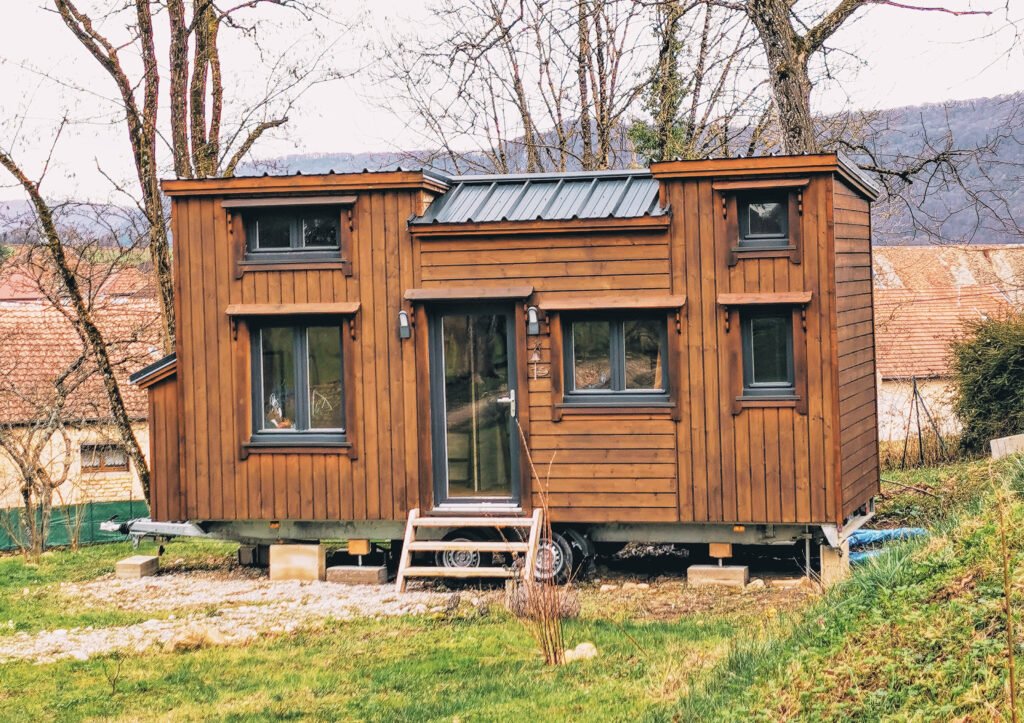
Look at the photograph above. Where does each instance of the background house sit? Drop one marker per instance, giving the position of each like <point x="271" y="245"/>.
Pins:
<point x="923" y="297"/>
<point x="40" y="348"/>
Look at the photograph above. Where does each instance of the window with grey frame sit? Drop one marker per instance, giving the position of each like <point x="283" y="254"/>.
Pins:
<point x="298" y="385"/>
<point x="763" y="219"/>
<point x="616" y="360"/>
<point x="768" y="368"/>
<point x="308" y="232"/>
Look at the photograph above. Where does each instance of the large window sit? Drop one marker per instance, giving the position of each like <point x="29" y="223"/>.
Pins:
<point x="763" y="219"/>
<point x="307" y="230"/>
<point x="616" y="360"/>
<point x="298" y="395"/>
<point x="768" y="352"/>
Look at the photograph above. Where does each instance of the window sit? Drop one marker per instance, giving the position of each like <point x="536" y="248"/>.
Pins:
<point x="106" y="457"/>
<point x="617" y="360"/>
<point x="283" y="233"/>
<point x="298" y="395"/>
<point x="768" y="352"/>
<point x="763" y="219"/>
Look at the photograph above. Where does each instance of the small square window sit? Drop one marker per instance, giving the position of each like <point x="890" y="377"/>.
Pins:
<point x="768" y="352"/>
<point x="104" y="458"/>
<point x="281" y="233"/>
<point x="616" y="360"/>
<point x="763" y="220"/>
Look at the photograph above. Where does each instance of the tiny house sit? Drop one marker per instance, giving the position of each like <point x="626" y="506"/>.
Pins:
<point x="681" y="354"/>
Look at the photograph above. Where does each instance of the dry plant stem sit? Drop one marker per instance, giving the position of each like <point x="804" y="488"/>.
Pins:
<point x="1007" y="590"/>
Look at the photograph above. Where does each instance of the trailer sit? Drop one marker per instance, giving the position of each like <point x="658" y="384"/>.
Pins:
<point x="679" y="354"/>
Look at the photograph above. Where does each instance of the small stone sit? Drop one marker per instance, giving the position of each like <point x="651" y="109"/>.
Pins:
<point x="608" y="588"/>
<point x="60" y="633"/>
<point x="583" y="651"/>
<point x="756" y="584"/>
<point x="79" y="655"/>
<point x="635" y="586"/>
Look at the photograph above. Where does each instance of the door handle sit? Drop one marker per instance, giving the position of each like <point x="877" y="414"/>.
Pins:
<point x="510" y="400"/>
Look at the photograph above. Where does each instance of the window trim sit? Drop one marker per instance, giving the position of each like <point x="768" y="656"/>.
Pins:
<point x="767" y="390"/>
<point x="241" y="220"/>
<point x="746" y="241"/>
<point x="727" y="226"/>
<point x="102" y="468"/>
<point x="262" y="438"/>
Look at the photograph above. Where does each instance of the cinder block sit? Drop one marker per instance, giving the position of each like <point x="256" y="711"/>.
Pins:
<point x="136" y="566"/>
<point x="358" y="574"/>
<point x="298" y="562"/>
<point x="1005" y="446"/>
<point x="835" y="563"/>
<point x="725" y="575"/>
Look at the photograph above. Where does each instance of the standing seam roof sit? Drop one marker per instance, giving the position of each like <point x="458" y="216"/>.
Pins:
<point x="545" y="197"/>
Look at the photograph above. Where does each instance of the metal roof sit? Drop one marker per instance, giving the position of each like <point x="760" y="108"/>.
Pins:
<point x="545" y="197"/>
<point x="150" y="370"/>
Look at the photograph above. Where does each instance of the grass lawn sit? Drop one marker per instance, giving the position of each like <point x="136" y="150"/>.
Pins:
<point x="917" y="634"/>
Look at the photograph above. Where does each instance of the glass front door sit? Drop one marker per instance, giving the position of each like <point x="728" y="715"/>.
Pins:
<point x="475" y="439"/>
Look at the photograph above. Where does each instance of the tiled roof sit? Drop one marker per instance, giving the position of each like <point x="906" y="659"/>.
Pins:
<point x="924" y="295"/>
<point x="546" y="197"/>
<point x="40" y="343"/>
<point x="24" y="276"/>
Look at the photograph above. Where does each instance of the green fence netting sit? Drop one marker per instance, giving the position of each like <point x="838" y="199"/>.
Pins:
<point x="93" y="513"/>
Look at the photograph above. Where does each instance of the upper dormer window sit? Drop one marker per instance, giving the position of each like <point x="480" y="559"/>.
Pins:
<point x="284" y="230"/>
<point x="763" y="219"/>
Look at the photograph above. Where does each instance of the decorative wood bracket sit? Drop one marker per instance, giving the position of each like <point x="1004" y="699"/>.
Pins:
<point x="352" y="326"/>
<point x="800" y="201"/>
<point x="234" y="327"/>
<point x="803" y="316"/>
<point x="679" y="321"/>
<point x="725" y="311"/>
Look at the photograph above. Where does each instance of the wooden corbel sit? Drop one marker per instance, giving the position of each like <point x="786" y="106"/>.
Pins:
<point x="679" y="321"/>
<point x="726" y="310"/>
<point x="234" y="327"/>
<point x="352" y="326"/>
<point x="803" y="317"/>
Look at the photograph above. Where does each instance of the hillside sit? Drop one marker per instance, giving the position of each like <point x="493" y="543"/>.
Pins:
<point x="903" y="135"/>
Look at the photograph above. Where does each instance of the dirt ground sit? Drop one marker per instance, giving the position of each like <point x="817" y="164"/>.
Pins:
<point x="232" y="605"/>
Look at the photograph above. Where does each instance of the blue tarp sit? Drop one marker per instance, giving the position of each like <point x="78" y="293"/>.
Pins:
<point x="873" y="538"/>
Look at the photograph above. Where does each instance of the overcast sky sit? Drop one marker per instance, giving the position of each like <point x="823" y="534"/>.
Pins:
<point x="910" y="58"/>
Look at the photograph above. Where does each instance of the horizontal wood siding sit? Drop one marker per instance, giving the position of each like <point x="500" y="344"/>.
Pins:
<point x="592" y="467"/>
<point x="221" y="482"/>
<point x="166" y="494"/>
<point x="858" y="414"/>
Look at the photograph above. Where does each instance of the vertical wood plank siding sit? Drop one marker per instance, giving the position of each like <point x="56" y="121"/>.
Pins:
<point x="855" y="328"/>
<point x="219" y="481"/>
<point x="711" y="460"/>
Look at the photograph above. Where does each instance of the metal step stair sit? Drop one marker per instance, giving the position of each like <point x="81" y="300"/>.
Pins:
<point x="411" y="545"/>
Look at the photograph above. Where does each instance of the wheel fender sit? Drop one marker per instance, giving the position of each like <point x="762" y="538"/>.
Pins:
<point x="580" y="542"/>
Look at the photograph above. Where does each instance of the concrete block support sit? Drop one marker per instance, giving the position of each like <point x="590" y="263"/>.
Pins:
<point x="835" y="563"/>
<point x="298" y="562"/>
<point x="358" y="574"/>
<point x="136" y="566"/>
<point x="1005" y="446"/>
<point x="725" y="575"/>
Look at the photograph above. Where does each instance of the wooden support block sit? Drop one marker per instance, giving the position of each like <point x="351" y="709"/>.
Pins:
<point x="136" y="566"/>
<point x="298" y="562"/>
<point x="835" y="564"/>
<point x="359" y="547"/>
<point x="724" y="575"/>
<point x="358" y="574"/>
<point x="720" y="549"/>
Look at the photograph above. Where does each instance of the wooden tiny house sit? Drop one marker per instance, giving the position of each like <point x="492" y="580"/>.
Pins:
<point x="685" y="353"/>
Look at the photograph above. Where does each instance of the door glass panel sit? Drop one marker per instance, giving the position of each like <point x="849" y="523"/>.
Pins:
<point x="477" y="425"/>
<point x="325" y="401"/>
<point x="591" y="351"/>
<point x="642" y="341"/>
<point x="278" y="357"/>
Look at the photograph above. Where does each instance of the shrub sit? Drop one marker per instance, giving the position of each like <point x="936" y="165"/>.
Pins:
<point x="988" y="378"/>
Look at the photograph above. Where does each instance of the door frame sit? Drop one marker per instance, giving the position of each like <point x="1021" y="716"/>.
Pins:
<point x="439" y="408"/>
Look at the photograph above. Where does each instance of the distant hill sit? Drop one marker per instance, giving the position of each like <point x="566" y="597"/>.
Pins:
<point x="939" y="203"/>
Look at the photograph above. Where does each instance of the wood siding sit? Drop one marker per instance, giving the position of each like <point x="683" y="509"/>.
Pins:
<point x="858" y="413"/>
<point x="167" y="499"/>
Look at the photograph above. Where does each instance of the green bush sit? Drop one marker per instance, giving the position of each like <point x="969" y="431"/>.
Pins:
<point x="988" y="376"/>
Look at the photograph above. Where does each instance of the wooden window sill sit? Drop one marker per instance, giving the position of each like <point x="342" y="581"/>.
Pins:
<point x="342" y="448"/>
<point x="741" y="403"/>
<point x="247" y="267"/>
<point x="580" y="408"/>
<point x="740" y="253"/>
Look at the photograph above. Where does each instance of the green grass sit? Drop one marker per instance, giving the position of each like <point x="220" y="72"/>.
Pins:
<point x="30" y="598"/>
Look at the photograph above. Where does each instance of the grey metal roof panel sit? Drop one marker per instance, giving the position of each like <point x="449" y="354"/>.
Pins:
<point x="545" y="196"/>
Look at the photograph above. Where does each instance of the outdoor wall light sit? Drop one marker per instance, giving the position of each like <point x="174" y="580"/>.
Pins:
<point x="404" y="329"/>
<point x="532" y="321"/>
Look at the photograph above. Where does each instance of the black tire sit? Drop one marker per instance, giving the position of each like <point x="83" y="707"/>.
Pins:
<point x="555" y="560"/>
<point x="461" y="559"/>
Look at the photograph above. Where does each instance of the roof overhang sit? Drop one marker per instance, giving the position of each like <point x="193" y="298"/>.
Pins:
<point x="155" y="372"/>
<point x="302" y="184"/>
<point x="768" y="166"/>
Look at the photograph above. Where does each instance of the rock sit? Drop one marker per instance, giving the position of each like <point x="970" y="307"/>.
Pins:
<point x="60" y="633"/>
<point x="608" y="588"/>
<point x="756" y="584"/>
<point x="635" y="586"/>
<point x="583" y="651"/>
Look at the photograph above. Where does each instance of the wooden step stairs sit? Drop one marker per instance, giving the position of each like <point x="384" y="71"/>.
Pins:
<point x="528" y="548"/>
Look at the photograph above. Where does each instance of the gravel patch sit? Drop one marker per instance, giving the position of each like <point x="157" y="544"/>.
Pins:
<point x="211" y="608"/>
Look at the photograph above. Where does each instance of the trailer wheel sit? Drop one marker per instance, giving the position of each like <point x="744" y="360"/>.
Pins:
<point x="451" y="558"/>
<point x="554" y="559"/>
